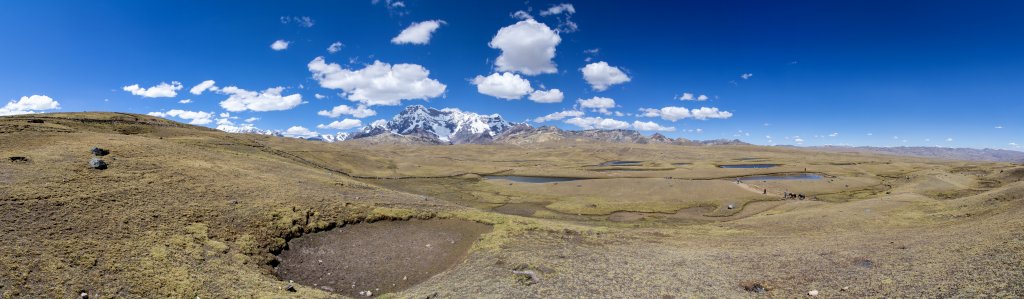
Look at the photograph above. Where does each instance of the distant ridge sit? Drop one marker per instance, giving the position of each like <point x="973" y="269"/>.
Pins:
<point x="948" y="153"/>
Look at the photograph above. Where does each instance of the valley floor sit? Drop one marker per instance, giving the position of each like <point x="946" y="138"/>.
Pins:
<point x="183" y="211"/>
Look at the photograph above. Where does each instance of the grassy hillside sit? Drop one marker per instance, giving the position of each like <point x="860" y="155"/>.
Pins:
<point x="186" y="211"/>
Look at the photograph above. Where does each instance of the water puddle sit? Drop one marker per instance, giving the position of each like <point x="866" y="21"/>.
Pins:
<point x="748" y="165"/>
<point x="531" y="179"/>
<point x="782" y="177"/>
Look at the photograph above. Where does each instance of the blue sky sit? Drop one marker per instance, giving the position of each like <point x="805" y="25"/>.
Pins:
<point x="945" y="73"/>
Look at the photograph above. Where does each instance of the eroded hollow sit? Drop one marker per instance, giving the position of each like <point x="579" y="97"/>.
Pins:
<point x="381" y="257"/>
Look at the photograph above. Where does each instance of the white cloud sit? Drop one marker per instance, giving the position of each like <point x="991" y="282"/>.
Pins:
<point x="689" y="97"/>
<point x="798" y="140"/>
<point x="522" y="15"/>
<point x="676" y="113"/>
<point x="162" y="90"/>
<point x="301" y="21"/>
<point x="558" y="9"/>
<point x="299" y="131"/>
<point x="280" y="45"/>
<point x="29" y="105"/>
<point x="185" y="101"/>
<point x="999" y="127"/>
<point x="667" y="113"/>
<point x="547" y="96"/>
<point x="194" y="117"/>
<point x="344" y="124"/>
<point x="702" y="98"/>
<point x="417" y="33"/>
<point x="597" y="123"/>
<point x="558" y="116"/>
<point x="203" y="86"/>
<point x="269" y="99"/>
<point x="746" y="76"/>
<point x="506" y="85"/>
<point x="319" y="96"/>
<point x="651" y="126"/>
<point x="833" y="135"/>
<point x="599" y="104"/>
<point x="379" y="83"/>
<point x="334" y="47"/>
<point x="360" y="111"/>
<point x="251" y="119"/>
<point x="565" y="12"/>
<point x="706" y="113"/>
<point x="600" y="75"/>
<point x="526" y="47"/>
<point x="949" y="139"/>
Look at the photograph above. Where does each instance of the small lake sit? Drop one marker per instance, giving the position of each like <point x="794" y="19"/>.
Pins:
<point x="621" y="163"/>
<point x="531" y="179"/>
<point x="748" y="166"/>
<point x="778" y="177"/>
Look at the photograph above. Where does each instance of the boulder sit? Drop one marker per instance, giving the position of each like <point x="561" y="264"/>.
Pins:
<point x="99" y="152"/>
<point x="97" y="163"/>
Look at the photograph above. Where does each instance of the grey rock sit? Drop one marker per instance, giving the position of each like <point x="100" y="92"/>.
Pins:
<point x="97" y="163"/>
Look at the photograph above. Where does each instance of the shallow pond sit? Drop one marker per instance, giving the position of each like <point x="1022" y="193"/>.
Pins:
<point x="778" y="177"/>
<point x="748" y="165"/>
<point x="381" y="257"/>
<point x="621" y="163"/>
<point x="531" y="179"/>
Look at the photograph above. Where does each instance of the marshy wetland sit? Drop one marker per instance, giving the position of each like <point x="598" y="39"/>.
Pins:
<point x="177" y="214"/>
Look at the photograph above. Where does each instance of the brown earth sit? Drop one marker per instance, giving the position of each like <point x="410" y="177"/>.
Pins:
<point x="379" y="257"/>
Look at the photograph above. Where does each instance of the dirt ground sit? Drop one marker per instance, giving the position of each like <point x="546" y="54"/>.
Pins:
<point x="379" y="257"/>
<point x="185" y="212"/>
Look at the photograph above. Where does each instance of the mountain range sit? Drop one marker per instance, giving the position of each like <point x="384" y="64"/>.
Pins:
<point x="417" y="124"/>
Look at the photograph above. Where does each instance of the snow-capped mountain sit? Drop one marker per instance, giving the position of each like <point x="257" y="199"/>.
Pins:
<point x="341" y="136"/>
<point x="446" y="125"/>
<point x="248" y="129"/>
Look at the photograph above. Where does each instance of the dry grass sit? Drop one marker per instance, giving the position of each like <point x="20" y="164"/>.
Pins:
<point x="185" y="211"/>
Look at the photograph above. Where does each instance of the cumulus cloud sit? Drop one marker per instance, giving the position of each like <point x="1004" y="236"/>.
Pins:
<point x="162" y="90"/>
<point x="344" y="124"/>
<point x="600" y="75"/>
<point x="558" y="116"/>
<point x="599" y="104"/>
<point x="746" y="76"/>
<point x="334" y="47"/>
<point x="280" y="45"/>
<point x="418" y="33"/>
<point x="689" y="97"/>
<point x="651" y="126"/>
<point x="506" y="85"/>
<point x="299" y="131"/>
<point x="379" y="83"/>
<point x="706" y="113"/>
<point x="676" y="113"/>
<point x="597" y="123"/>
<point x="526" y="47"/>
<point x="185" y="101"/>
<point x="547" y="96"/>
<point x="360" y="111"/>
<point x="203" y="86"/>
<point x="194" y="117"/>
<point x="269" y="99"/>
<point x="28" y="105"/>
